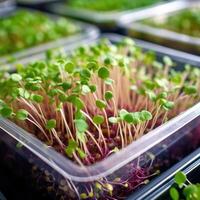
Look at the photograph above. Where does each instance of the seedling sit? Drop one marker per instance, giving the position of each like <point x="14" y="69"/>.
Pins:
<point x="184" y="188"/>
<point x="89" y="105"/>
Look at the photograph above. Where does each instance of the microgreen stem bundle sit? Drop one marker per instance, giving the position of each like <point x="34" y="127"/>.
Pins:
<point x="98" y="99"/>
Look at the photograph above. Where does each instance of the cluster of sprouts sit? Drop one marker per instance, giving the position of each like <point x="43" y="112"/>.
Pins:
<point x="97" y="100"/>
<point x="110" y="5"/>
<point x="23" y="29"/>
<point x="186" y="21"/>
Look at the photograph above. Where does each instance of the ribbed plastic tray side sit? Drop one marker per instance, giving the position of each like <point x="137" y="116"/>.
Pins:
<point x="136" y="28"/>
<point x="57" y="176"/>
<point x="87" y="31"/>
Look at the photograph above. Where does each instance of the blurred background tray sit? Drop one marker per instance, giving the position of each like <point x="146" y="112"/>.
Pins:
<point x="107" y="20"/>
<point x="138" y="29"/>
<point x="86" y="31"/>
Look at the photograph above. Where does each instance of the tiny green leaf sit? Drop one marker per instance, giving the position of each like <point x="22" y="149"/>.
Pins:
<point x="128" y="118"/>
<point x="22" y="114"/>
<point x="122" y="113"/>
<point x="93" y="88"/>
<point x="191" y="192"/>
<point x="146" y="115"/>
<point x="162" y="95"/>
<point x="53" y="92"/>
<point x="69" y="67"/>
<point x="78" y="103"/>
<point x="79" y="115"/>
<point x="19" y="145"/>
<point x="92" y="66"/>
<point x="127" y="42"/>
<point x="62" y="97"/>
<point x="176" y="78"/>
<point x="71" y="148"/>
<point x="113" y="120"/>
<point x="108" y="95"/>
<point x="98" y="119"/>
<point x="103" y="73"/>
<point x="167" y="60"/>
<point x="109" y="81"/>
<point x="83" y="196"/>
<point x="37" y="98"/>
<point x="2" y="104"/>
<point x="81" y="136"/>
<point x="23" y="93"/>
<point x="136" y="117"/>
<point x="180" y="178"/>
<point x="115" y="150"/>
<point x="81" y="125"/>
<point x="51" y="124"/>
<point x="85" y="89"/>
<point x="85" y="73"/>
<point x="6" y="112"/>
<point x="157" y="65"/>
<point x="151" y="95"/>
<point x="72" y="98"/>
<point x="81" y="153"/>
<point x="163" y="83"/>
<point x="100" y="104"/>
<point x="98" y="186"/>
<point x="16" y="77"/>
<point x="66" y="86"/>
<point x="168" y="105"/>
<point x="149" y="84"/>
<point x="174" y="194"/>
<point x="110" y="61"/>
<point x="190" y="90"/>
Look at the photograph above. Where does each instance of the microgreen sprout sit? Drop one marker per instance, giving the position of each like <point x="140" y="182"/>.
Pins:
<point x="51" y="124"/>
<point x="22" y="114"/>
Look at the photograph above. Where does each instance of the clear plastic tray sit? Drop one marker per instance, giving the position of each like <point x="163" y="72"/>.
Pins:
<point x="57" y="177"/>
<point x="137" y="29"/>
<point x="87" y="31"/>
<point x="106" y="20"/>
